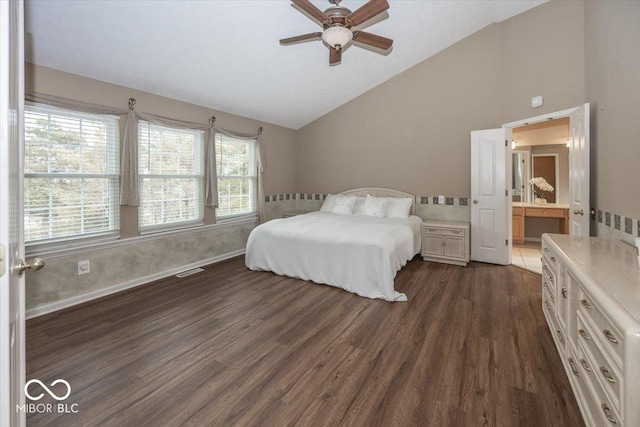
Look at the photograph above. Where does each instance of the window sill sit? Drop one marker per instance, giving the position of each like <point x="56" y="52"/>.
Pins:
<point x="58" y="252"/>
<point x="242" y="217"/>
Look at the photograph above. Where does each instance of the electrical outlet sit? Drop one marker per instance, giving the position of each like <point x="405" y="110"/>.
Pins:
<point x="84" y="267"/>
<point x="441" y="200"/>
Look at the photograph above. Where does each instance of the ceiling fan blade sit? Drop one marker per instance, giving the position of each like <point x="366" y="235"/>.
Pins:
<point x="302" y="38"/>
<point x="372" y="40"/>
<point x="308" y="7"/>
<point x="335" y="56"/>
<point x="368" y="11"/>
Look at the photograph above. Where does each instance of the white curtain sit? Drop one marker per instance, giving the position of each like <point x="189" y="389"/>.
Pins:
<point x="262" y="166"/>
<point x="129" y="190"/>
<point x="210" y="171"/>
<point x="69" y="104"/>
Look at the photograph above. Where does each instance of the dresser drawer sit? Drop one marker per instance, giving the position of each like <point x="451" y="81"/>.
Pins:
<point x="549" y="276"/>
<point x="600" y="408"/>
<point x="550" y="292"/>
<point x="518" y="211"/>
<point x="608" y="375"/>
<point x="545" y="212"/>
<point x="550" y="257"/>
<point x="556" y="332"/>
<point x="603" y="329"/>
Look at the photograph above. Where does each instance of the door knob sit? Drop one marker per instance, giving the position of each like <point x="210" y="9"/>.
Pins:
<point x="33" y="265"/>
<point x="578" y="212"/>
<point x="475" y="202"/>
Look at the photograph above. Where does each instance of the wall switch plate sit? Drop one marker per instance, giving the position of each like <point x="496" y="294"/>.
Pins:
<point x="441" y="200"/>
<point x="84" y="267"/>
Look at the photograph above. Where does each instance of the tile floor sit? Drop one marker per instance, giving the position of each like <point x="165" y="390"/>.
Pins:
<point x="527" y="256"/>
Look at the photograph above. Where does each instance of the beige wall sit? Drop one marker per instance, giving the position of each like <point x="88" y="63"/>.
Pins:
<point x="412" y="131"/>
<point x="280" y="143"/>
<point x="612" y="39"/>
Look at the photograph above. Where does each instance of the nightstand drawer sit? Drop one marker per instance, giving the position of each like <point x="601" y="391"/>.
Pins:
<point x="444" y="231"/>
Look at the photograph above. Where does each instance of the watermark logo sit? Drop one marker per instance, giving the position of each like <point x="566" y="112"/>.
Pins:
<point x="51" y="393"/>
<point x="51" y="408"/>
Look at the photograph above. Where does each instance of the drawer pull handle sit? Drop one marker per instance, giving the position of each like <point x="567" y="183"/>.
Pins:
<point x="553" y="259"/>
<point x="585" y="365"/>
<point x="608" y="414"/>
<point x="550" y="278"/>
<point x="610" y="337"/>
<point x="564" y="292"/>
<point x="583" y="334"/>
<point x="573" y="367"/>
<point x="586" y="304"/>
<point x="560" y="336"/>
<point x="607" y="376"/>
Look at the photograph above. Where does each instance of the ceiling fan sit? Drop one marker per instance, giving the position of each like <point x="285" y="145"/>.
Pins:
<point x="337" y="22"/>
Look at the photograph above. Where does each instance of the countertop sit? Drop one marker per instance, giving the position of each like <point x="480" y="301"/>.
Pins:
<point x="546" y="205"/>
<point x="606" y="268"/>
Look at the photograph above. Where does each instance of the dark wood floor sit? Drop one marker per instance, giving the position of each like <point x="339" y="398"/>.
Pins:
<point x="231" y="346"/>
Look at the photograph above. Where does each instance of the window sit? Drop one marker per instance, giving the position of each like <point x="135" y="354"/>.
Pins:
<point x="171" y="177"/>
<point x="71" y="175"/>
<point x="237" y="179"/>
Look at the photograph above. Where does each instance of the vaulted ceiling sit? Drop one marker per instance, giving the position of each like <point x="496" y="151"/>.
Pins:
<point x="225" y="55"/>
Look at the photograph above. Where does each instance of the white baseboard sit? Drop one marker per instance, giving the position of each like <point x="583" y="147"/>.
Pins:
<point x="79" y="299"/>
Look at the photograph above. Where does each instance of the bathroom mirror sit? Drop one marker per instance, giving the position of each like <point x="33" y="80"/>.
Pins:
<point x="520" y="174"/>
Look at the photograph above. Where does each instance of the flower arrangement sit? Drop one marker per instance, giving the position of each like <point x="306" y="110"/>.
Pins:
<point x="540" y="187"/>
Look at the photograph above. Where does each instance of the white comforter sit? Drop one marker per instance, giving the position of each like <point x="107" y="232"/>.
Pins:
<point x="359" y="254"/>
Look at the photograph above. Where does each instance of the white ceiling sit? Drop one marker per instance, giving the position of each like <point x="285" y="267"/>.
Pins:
<point x="225" y="55"/>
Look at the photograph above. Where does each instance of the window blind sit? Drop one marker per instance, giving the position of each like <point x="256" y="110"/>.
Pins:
<point x="171" y="177"/>
<point x="237" y="178"/>
<point x="71" y="175"/>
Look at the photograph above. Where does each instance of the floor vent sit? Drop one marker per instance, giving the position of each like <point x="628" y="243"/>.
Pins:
<point x="189" y="272"/>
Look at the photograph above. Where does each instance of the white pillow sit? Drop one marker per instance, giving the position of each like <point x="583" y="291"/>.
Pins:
<point x="375" y="206"/>
<point x="329" y="203"/>
<point x="344" y="204"/>
<point x="358" y="209"/>
<point x="399" y="207"/>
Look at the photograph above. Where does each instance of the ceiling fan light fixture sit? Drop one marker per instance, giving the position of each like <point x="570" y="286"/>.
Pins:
<point x="337" y="37"/>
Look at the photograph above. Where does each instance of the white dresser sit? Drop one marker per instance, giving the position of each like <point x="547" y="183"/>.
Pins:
<point x="591" y="300"/>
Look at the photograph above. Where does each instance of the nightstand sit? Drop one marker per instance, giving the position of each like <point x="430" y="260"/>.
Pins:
<point x="445" y="241"/>
<point x="294" y="213"/>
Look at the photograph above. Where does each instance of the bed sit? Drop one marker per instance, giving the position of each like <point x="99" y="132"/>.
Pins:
<point x="358" y="253"/>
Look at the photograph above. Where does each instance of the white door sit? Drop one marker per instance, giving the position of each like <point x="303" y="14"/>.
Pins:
<point x="489" y="195"/>
<point x="579" y="205"/>
<point x="12" y="361"/>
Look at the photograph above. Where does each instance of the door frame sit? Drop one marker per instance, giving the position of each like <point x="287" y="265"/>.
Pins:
<point x="508" y="131"/>
<point x="12" y="294"/>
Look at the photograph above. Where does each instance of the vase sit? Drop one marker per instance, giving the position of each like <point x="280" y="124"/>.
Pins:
<point x="539" y="201"/>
